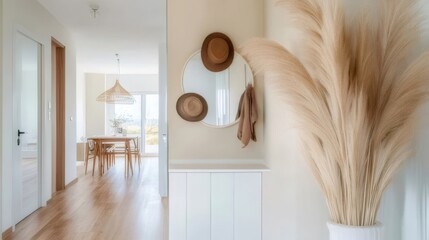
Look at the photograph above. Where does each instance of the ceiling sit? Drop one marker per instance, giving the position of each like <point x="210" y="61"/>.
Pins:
<point x="131" y="28"/>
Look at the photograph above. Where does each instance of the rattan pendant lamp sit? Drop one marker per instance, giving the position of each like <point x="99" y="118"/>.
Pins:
<point x="117" y="94"/>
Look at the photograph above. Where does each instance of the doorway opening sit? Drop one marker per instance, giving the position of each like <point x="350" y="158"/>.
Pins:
<point x="58" y="116"/>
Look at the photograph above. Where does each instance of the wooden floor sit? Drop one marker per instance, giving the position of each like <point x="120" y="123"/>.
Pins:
<point x="107" y="207"/>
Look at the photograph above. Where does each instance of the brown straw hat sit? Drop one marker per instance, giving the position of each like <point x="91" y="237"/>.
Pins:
<point x="217" y="52"/>
<point x="192" y="107"/>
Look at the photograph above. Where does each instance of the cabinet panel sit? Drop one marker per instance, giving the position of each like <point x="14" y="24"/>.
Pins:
<point x="198" y="206"/>
<point x="222" y="206"/>
<point x="215" y="206"/>
<point x="247" y="206"/>
<point x="177" y="206"/>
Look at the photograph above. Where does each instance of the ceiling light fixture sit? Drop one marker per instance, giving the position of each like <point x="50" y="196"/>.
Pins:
<point x="117" y="94"/>
<point x="94" y="10"/>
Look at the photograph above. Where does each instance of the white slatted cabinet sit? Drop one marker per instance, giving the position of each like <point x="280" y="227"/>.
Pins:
<point x="177" y="206"/>
<point x="222" y="205"/>
<point x="215" y="205"/>
<point x="198" y="206"/>
<point x="247" y="206"/>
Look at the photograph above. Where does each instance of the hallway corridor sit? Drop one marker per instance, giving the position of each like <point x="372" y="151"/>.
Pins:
<point x="107" y="207"/>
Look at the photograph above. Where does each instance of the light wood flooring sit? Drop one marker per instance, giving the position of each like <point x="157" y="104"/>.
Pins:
<point x="107" y="207"/>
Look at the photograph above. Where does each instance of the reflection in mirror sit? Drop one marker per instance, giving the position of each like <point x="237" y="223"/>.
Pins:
<point x="222" y="90"/>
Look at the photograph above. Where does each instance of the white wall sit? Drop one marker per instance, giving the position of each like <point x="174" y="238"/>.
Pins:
<point x="189" y="22"/>
<point x="97" y="83"/>
<point x="80" y="104"/>
<point x="1" y="113"/>
<point x="35" y="20"/>
<point x="294" y="207"/>
<point x="135" y="83"/>
<point x="95" y="111"/>
<point x="403" y="209"/>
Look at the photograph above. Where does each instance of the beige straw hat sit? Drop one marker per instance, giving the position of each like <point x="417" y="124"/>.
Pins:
<point x="192" y="107"/>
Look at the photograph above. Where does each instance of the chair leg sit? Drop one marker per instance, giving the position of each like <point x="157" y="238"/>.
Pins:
<point x="100" y="155"/>
<point x="130" y="163"/>
<point x="138" y="159"/>
<point x="86" y="157"/>
<point x="113" y="158"/>
<point x="86" y="165"/>
<point x="126" y="164"/>
<point x="93" y="165"/>
<point x="110" y="159"/>
<point x="106" y="161"/>
<point x="103" y="157"/>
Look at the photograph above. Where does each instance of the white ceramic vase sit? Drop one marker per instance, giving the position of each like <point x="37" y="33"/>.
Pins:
<point x="344" y="232"/>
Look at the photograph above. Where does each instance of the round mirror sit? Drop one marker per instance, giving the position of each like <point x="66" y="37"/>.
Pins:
<point x="222" y="90"/>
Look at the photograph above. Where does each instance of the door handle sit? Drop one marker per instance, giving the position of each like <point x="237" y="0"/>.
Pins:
<point x="18" y="141"/>
<point x="20" y="133"/>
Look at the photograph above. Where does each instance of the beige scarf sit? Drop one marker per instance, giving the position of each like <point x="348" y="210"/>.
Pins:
<point x="248" y="114"/>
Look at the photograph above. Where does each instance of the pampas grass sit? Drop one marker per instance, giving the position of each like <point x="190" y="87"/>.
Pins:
<point x="355" y="93"/>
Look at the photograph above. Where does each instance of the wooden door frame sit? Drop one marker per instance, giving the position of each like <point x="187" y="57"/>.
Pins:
<point x="58" y="115"/>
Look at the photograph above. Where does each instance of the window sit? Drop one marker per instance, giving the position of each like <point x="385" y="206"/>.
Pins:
<point x="143" y="114"/>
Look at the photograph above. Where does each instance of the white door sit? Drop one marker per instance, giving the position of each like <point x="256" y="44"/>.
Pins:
<point x="27" y="126"/>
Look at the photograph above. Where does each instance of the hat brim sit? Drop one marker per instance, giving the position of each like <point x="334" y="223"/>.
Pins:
<point x="205" y="58"/>
<point x="182" y="112"/>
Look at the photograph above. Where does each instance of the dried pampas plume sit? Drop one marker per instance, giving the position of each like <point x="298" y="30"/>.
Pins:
<point x="355" y="94"/>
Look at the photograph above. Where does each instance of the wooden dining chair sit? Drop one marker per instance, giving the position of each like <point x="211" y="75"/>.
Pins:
<point x="120" y="149"/>
<point x="90" y="153"/>
<point x="108" y="155"/>
<point x="135" y="151"/>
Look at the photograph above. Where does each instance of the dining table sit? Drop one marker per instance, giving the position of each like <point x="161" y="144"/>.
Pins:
<point x="100" y="140"/>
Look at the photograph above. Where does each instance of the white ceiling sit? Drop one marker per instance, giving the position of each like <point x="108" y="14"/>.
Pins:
<point x="131" y="28"/>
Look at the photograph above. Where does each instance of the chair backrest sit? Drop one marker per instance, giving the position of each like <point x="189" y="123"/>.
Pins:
<point x="91" y="145"/>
